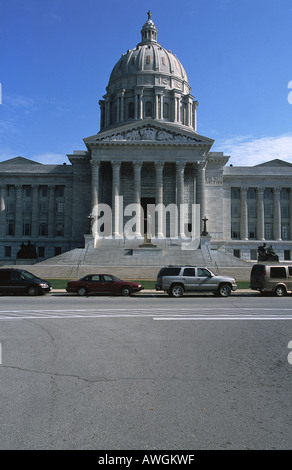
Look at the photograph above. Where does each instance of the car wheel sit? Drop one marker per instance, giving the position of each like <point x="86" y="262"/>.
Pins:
<point x="126" y="291"/>
<point x="32" y="291"/>
<point x="224" y="290"/>
<point x="176" y="291"/>
<point x="82" y="291"/>
<point x="280" y="291"/>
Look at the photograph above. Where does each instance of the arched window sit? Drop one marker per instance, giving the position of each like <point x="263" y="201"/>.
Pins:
<point x="43" y="230"/>
<point x="148" y="109"/>
<point x="60" y="230"/>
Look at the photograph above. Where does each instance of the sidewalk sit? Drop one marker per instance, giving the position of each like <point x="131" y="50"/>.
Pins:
<point x="153" y="291"/>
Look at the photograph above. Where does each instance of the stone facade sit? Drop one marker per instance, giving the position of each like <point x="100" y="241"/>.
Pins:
<point x="148" y="151"/>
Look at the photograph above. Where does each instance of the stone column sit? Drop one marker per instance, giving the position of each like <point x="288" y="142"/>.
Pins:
<point x="180" y="169"/>
<point x="3" y="211"/>
<point x="159" y="197"/>
<point x="260" y="214"/>
<point x="290" y="209"/>
<point x="35" y="211"/>
<point x="200" y="195"/>
<point x="51" y="214"/>
<point x="116" y="165"/>
<point x="19" y="212"/>
<point x="156" y="106"/>
<point x="94" y="188"/>
<point x="68" y="212"/>
<point x="243" y="214"/>
<point x="195" y="106"/>
<point x="277" y="214"/>
<point x="141" y="110"/>
<point x="137" y="164"/>
<point x="161" y="106"/>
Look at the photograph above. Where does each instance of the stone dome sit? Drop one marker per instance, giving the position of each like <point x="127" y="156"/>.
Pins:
<point x="148" y="81"/>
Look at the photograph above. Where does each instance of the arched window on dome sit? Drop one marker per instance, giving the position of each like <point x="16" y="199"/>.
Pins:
<point x="165" y="110"/>
<point x="148" y="109"/>
<point x="131" y="110"/>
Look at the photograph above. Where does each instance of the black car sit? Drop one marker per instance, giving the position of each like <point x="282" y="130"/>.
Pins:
<point x="19" y="281"/>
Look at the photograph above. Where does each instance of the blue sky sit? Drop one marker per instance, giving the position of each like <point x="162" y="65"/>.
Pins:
<point x="56" y="57"/>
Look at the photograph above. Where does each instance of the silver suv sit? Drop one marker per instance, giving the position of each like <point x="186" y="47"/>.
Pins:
<point x="175" y="280"/>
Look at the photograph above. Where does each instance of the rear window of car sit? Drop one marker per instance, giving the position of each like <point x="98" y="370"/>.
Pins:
<point x="170" y="272"/>
<point x="278" y="271"/>
<point x="290" y="270"/>
<point x="258" y="269"/>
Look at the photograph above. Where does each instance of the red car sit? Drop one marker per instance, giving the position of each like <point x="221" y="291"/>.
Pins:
<point x="102" y="284"/>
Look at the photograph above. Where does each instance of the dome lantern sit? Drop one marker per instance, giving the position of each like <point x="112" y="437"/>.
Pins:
<point x="149" y="31"/>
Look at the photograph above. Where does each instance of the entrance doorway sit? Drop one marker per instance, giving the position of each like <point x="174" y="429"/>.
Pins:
<point x="149" y="216"/>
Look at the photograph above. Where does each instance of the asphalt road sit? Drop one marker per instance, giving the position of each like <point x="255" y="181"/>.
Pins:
<point x="147" y="372"/>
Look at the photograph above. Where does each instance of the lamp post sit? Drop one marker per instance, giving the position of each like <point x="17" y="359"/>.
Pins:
<point x="204" y="232"/>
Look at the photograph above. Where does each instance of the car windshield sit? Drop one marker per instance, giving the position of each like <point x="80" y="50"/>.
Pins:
<point x="116" y="278"/>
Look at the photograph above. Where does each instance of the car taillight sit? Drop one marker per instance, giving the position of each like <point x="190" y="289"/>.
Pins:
<point x="265" y="272"/>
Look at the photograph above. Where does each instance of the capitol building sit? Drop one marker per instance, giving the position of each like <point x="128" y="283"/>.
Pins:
<point x="148" y="152"/>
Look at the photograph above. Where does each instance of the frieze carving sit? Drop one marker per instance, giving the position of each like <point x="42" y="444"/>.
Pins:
<point x="214" y="180"/>
<point x="149" y="133"/>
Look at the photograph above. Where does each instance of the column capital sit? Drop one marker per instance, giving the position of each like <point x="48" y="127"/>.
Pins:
<point x="137" y="163"/>
<point x="116" y="163"/>
<point x="260" y="189"/>
<point x="181" y="164"/>
<point x="201" y="164"/>
<point x="159" y="164"/>
<point x="94" y="163"/>
<point x="277" y="190"/>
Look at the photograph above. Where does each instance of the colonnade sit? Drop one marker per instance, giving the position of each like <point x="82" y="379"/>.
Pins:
<point x="113" y="108"/>
<point x="198" y="196"/>
<point x="13" y="211"/>
<point x="260" y="214"/>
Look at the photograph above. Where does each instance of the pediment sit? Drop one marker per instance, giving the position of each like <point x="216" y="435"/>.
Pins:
<point x="149" y="132"/>
<point x="275" y="163"/>
<point x="20" y="161"/>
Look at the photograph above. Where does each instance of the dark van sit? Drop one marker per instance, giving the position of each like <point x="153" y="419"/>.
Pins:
<point x="19" y="281"/>
<point x="271" y="278"/>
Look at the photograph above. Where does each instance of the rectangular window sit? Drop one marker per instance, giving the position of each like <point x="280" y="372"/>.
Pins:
<point x="235" y="230"/>
<point x="44" y="207"/>
<point x="7" y="251"/>
<point x="285" y="229"/>
<point x="268" y="203"/>
<point x="41" y="251"/>
<point x="287" y="255"/>
<point x="11" y="227"/>
<point x="60" y="207"/>
<point x="253" y="254"/>
<point x="27" y="229"/>
<point x="235" y="202"/>
<point x="268" y="231"/>
<point x="236" y="253"/>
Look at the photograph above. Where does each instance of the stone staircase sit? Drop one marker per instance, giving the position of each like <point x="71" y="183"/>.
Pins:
<point x="137" y="260"/>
